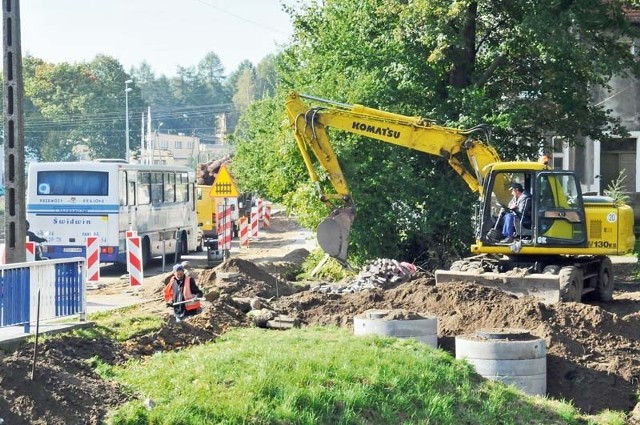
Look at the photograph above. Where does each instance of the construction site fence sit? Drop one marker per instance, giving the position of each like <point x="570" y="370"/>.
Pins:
<point x="57" y="287"/>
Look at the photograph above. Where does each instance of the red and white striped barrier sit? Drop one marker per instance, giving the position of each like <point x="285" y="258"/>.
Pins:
<point x="93" y="260"/>
<point x="243" y="233"/>
<point x="31" y="251"/>
<point x="254" y="223"/>
<point x="129" y="234"/>
<point x="134" y="260"/>
<point x="224" y="227"/>
<point x="266" y="219"/>
<point x="260" y="205"/>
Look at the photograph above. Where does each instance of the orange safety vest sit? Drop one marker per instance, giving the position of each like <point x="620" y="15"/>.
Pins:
<point x="186" y="291"/>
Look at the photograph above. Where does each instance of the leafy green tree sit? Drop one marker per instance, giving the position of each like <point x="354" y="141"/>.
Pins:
<point x="245" y="89"/>
<point x="67" y="104"/>
<point x="266" y="77"/>
<point x="524" y="68"/>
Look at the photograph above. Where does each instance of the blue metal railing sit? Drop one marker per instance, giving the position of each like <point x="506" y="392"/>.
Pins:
<point x="61" y="284"/>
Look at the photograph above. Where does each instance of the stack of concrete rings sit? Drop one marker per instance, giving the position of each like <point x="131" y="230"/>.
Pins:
<point x="511" y="356"/>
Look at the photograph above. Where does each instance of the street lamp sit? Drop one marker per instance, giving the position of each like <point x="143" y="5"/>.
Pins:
<point x="127" y="89"/>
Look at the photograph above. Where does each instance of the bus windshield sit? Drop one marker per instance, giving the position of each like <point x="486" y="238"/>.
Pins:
<point x="73" y="183"/>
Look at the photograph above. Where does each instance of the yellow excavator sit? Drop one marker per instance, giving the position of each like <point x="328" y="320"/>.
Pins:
<point x="563" y="239"/>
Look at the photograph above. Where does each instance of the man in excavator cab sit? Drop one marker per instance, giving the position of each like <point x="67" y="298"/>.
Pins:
<point x="516" y="209"/>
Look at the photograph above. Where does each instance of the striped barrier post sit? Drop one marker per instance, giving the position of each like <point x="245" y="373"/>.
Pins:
<point x="266" y="219"/>
<point x="224" y="227"/>
<point x="229" y="227"/>
<point x="228" y="231"/>
<point x="134" y="261"/>
<point x="129" y="234"/>
<point x="244" y="232"/>
<point x="254" y="223"/>
<point x="31" y="251"/>
<point x="219" y="218"/>
<point x="260" y="205"/>
<point x="93" y="261"/>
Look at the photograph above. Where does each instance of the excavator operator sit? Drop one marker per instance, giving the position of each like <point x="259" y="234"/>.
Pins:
<point x="515" y="209"/>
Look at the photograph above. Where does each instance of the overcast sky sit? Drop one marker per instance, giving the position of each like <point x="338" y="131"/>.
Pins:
<point x="164" y="33"/>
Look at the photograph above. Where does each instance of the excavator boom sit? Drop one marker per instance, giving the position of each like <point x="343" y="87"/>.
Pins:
<point x="310" y="130"/>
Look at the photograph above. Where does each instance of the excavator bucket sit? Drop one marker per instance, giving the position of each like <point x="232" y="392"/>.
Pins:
<point x="544" y="286"/>
<point x="333" y="233"/>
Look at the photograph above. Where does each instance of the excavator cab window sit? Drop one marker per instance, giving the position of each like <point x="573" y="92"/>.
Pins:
<point x="553" y="215"/>
<point x="559" y="210"/>
<point x="498" y="185"/>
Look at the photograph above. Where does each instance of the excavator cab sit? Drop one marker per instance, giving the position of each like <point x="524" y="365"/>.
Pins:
<point x="553" y="214"/>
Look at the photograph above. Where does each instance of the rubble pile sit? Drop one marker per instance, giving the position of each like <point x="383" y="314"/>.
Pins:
<point x="382" y="273"/>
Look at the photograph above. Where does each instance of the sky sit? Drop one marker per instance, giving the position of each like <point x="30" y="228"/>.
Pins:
<point x="164" y="33"/>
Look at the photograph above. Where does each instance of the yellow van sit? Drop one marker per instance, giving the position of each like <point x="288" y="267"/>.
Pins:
<point x="206" y="211"/>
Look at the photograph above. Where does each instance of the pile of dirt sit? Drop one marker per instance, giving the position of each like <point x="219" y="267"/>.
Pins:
<point x="64" y="389"/>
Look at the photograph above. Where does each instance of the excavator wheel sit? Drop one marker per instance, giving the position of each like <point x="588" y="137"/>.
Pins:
<point x="570" y="284"/>
<point x="604" y="286"/>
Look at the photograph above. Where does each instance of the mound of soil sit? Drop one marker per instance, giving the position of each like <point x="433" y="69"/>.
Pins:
<point x="64" y="388"/>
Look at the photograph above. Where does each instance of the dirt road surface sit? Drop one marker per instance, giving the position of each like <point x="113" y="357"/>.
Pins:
<point x="593" y="352"/>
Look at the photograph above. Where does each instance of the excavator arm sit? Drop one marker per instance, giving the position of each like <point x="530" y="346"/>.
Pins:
<point x="311" y="126"/>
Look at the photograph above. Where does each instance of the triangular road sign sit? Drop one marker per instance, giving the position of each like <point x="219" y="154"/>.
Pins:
<point x="223" y="185"/>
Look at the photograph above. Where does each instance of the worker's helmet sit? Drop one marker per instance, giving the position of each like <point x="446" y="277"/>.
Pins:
<point x="186" y="265"/>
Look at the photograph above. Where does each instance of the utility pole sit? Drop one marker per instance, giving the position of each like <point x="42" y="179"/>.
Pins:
<point x="127" y="89"/>
<point x="15" y="215"/>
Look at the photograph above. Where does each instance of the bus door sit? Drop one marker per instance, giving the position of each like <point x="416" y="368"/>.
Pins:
<point x="130" y="200"/>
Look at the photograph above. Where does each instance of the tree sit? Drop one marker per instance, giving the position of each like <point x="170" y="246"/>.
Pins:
<point x="67" y="104"/>
<point x="266" y="77"/>
<point x="245" y="89"/>
<point x="524" y="68"/>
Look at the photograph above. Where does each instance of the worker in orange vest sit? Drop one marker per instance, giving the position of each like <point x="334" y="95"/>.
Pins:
<point x="182" y="294"/>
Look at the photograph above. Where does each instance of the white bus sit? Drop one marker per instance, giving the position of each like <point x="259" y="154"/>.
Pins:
<point x="69" y="201"/>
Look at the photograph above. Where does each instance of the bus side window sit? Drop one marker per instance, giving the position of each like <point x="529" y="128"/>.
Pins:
<point x="131" y="196"/>
<point x="157" y="191"/>
<point x="169" y="187"/>
<point x="144" y="188"/>
<point x="122" y="189"/>
<point x="182" y="187"/>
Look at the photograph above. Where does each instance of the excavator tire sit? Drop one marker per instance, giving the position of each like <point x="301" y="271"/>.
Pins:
<point x="570" y="284"/>
<point x="604" y="286"/>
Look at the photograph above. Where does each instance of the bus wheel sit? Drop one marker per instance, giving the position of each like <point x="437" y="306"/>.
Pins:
<point x="146" y="252"/>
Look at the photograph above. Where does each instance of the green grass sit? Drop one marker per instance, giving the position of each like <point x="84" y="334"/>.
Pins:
<point x="324" y="376"/>
<point x="125" y="323"/>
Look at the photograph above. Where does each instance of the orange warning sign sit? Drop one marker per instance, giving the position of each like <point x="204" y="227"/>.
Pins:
<point x="223" y="185"/>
